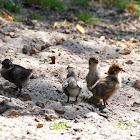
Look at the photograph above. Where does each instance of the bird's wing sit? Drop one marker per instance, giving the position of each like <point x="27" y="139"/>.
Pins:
<point x="80" y="84"/>
<point x="103" y="86"/>
<point x="65" y="84"/>
<point x="21" y="72"/>
<point x="98" y="81"/>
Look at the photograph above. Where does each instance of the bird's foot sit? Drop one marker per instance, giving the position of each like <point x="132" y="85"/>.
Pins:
<point x="18" y="94"/>
<point x="75" y="102"/>
<point x="108" y="104"/>
<point x="15" y="89"/>
<point x="104" y="109"/>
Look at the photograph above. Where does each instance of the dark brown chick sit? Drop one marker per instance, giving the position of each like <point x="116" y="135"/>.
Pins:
<point x="104" y="88"/>
<point x="15" y="73"/>
<point x="93" y="74"/>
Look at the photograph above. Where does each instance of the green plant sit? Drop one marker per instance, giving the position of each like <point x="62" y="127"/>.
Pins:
<point x="1" y="14"/>
<point x="36" y="16"/>
<point x="121" y="4"/>
<point x="58" y="125"/>
<point x="17" y="19"/>
<point x="80" y="2"/>
<point x="51" y="4"/>
<point x="0" y="129"/>
<point x="137" y="10"/>
<point x="11" y="5"/>
<point x="122" y="124"/>
<point x="87" y="17"/>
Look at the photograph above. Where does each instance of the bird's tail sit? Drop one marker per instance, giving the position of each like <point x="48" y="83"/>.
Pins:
<point x="30" y="71"/>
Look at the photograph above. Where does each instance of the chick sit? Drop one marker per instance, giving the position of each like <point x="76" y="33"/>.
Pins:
<point x="93" y="74"/>
<point x="72" y="86"/>
<point x="15" y="74"/>
<point x="104" y="88"/>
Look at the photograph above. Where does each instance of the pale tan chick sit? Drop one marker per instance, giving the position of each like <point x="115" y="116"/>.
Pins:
<point x="104" y="88"/>
<point x="93" y="74"/>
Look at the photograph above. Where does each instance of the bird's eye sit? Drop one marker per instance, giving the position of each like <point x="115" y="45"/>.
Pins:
<point x="117" y="68"/>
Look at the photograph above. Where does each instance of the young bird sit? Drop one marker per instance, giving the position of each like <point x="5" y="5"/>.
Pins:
<point x="72" y="86"/>
<point x="93" y="74"/>
<point x="104" y="88"/>
<point x="15" y="74"/>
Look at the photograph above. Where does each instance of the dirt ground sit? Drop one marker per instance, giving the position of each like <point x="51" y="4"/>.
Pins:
<point x="109" y="39"/>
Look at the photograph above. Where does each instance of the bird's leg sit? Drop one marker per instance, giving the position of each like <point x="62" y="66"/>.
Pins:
<point x="104" y="103"/>
<point x="19" y="92"/>
<point x="68" y="99"/>
<point x="103" y="106"/>
<point x="20" y="87"/>
<point x="76" y="99"/>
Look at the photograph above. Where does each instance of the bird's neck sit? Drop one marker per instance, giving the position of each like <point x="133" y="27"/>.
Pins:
<point x="118" y="77"/>
<point x="94" y="67"/>
<point x="5" y="70"/>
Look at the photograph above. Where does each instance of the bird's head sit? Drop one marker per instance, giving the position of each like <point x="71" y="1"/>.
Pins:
<point x="93" y="60"/>
<point x="114" y="69"/>
<point x="71" y="72"/>
<point x="7" y="64"/>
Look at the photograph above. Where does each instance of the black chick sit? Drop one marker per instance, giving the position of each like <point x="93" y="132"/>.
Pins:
<point x="15" y="74"/>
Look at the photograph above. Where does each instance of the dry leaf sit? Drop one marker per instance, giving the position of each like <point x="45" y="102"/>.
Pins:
<point x="63" y="39"/>
<point x="40" y="125"/>
<point x="131" y="8"/>
<point x="9" y="33"/>
<point x="37" y="120"/>
<point x="130" y="41"/>
<point x="130" y="96"/>
<point x="6" y="16"/>
<point x="33" y="51"/>
<point x="53" y="59"/>
<point x="126" y="51"/>
<point x="14" y="113"/>
<point x="80" y="28"/>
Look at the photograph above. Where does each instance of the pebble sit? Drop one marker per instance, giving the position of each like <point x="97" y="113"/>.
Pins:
<point x="51" y="117"/>
<point x="47" y="111"/>
<point x="40" y="104"/>
<point x="129" y="62"/>
<point x="59" y="108"/>
<point x="26" y="97"/>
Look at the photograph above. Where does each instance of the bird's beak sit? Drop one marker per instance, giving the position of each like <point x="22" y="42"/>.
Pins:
<point x="122" y="70"/>
<point x="96" y="61"/>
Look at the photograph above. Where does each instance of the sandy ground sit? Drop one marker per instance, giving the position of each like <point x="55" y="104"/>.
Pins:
<point x="84" y="121"/>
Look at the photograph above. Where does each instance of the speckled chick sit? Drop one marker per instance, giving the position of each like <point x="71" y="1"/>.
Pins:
<point x="104" y="88"/>
<point x="15" y="74"/>
<point x="72" y="86"/>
